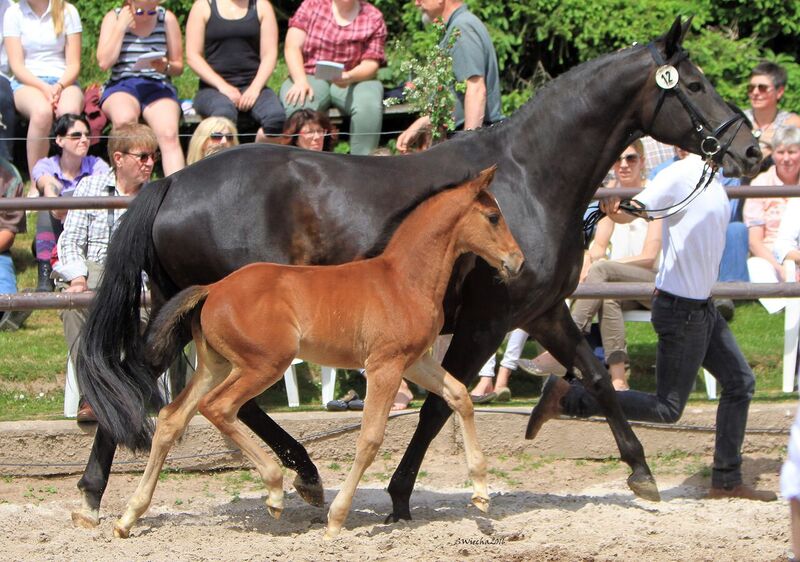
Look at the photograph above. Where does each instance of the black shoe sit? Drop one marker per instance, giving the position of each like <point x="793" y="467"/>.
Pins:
<point x="12" y="320"/>
<point x="342" y="403"/>
<point x="725" y="308"/>
<point x="45" y="284"/>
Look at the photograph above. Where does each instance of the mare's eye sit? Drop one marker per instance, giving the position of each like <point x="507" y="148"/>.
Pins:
<point x="494" y="218"/>
<point x="695" y="87"/>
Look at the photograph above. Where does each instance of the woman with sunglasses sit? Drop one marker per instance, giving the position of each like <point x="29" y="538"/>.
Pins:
<point x="765" y="89"/>
<point x="619" y="252"/>
<point x="42" y="39"/>
<point x="232" y="45"/>
<point x="141" y="44"/>
<point x="56" y="176"/>
<point x="309" y="129"/>
<point x="211" y="135"/>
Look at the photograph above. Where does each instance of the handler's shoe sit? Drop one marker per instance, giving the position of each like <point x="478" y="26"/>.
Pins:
<point x="742" y="492"/>
<point x="549" y="406"/>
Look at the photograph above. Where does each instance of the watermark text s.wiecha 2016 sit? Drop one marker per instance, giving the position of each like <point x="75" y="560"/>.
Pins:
<point x="481" y="541"/>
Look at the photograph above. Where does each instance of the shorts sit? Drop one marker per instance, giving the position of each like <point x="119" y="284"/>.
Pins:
<point x="16" y="84"/>
<point x="145" y="90"/>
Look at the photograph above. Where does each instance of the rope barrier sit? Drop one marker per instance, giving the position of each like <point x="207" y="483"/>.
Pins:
<point x="353" y="427"/>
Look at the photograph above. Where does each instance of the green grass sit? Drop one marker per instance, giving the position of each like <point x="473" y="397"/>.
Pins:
<point x="32" y="361"/>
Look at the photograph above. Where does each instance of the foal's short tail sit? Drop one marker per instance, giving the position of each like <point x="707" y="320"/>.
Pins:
<point x="114" y="374"/>
<point x="164" y="333"/>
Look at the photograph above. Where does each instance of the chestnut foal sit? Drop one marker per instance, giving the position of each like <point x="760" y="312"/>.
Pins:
<point x="381" y="314"/>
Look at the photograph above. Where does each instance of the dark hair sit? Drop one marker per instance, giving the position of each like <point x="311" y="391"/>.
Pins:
<point x="61" y="126"/>
<point x="298" y="119"/>
<point x="775" y="72"/>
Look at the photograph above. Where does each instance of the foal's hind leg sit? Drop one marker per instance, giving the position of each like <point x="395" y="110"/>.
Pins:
<point x="220" y="407"/>
<point x="382" y="385"/>
<point x="427" y="373"/>
<point x="172" y="422"/>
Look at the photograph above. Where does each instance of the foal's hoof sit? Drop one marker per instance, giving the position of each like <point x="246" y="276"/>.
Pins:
<point x="275" y="511"/>
<point x="331" y="533"/>
<point x="481" y="503"/>
<point x="121" y="532"/>
<point x="85" y="519"/>
<point x="311" y="491"/>
<point x="644" y="487"/>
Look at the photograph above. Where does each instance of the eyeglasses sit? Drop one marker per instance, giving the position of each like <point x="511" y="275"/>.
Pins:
<point x="143" y="157"/>
<point x="312" y="132"/>
<point x="75" y="135"/>
<point x="762" y="88"/>
<point x="628" y="158"/>
<point x="217" y="137"/>
<point x="141" y="12"/>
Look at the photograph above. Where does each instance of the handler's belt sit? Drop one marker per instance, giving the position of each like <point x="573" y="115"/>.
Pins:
<point x="681" y="303"/>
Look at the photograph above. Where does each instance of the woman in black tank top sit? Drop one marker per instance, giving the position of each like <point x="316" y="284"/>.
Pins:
<point x="232" y="45"/>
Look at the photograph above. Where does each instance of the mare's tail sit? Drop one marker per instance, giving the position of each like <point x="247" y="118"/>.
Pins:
<point x="114" y="375"/>
<point x="164" y="331"/>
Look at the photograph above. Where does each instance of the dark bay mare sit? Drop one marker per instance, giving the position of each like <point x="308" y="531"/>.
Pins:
<point x="284" y="205"/>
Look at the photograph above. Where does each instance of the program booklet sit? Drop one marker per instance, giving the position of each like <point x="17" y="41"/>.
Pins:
<point x="143" y="62"/>
<point x="329" y="70"/>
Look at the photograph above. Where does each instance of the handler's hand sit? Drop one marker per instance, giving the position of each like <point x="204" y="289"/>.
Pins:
<point x="77" y="285"/>
<point x="610" y="205"/>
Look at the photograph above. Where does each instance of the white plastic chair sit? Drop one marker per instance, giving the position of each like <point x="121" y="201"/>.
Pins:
<point x="290" y="379"/>
<point x="791" y="330"/>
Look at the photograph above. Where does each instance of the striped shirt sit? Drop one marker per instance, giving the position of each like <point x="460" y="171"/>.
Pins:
<point x="134" y="46"/>
<point x="87" y="231"/>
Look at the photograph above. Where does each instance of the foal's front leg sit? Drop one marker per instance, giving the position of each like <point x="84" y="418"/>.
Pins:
<point x="428" y="374"/>
<point x="382" y="385"/>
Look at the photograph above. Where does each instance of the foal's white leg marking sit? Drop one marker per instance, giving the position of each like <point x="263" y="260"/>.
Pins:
<point x="428" y="374"/>
<point x="221" y="407"/>
<point x="382" y="385"/>
<point x="172" y="422"/>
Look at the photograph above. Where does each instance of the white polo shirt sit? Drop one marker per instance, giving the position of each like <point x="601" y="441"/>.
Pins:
<point x="693" y="238"/>
<point x="44" y="52"/>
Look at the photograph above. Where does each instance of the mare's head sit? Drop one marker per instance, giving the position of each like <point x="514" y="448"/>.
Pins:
<point x="483" y="229"/>
<point x="681" y="107"/>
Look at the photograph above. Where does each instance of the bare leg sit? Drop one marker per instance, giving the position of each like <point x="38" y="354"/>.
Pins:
<point x="172" y="422"/>
<point x="382" y="384"/>
<point x="431" y="376"/>
<point x="163" y="116"/>
<point x="618" y="379"/>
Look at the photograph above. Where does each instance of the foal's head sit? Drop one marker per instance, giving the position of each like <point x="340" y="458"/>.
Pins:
<point x="483" y="229"/>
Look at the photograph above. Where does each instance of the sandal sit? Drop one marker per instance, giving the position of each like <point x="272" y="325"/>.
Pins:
<point x="483" y="398"/>
<point x="503" y="395"/>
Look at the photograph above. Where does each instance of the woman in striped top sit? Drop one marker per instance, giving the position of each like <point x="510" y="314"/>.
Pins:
<point x="141" y="44"/>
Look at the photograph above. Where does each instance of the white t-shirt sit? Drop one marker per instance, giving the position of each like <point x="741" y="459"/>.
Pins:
<point x="694" y="238"/>
<point x="788" y="238"/>
<point x="44" y="53"/>
<point x="4" y="70"/>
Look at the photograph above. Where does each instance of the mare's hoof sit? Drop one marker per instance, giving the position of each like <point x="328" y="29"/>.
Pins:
<point x="481" y="503"/>
<point x="85" y="519"/>
<point x="120" y="532"/>
<point x="398" y="515"/>
<point x="644" y="487"/>
<point x="311" y="492"/>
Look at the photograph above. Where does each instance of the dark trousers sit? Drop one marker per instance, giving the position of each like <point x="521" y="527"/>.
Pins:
<point x="9" y="115"/>
<point x="267" y="111"/>
<point x="691" y="334"/>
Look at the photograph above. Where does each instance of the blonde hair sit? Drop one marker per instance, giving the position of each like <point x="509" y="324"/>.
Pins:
<point x="202" y="133"/>
<point x="57" y="13"/>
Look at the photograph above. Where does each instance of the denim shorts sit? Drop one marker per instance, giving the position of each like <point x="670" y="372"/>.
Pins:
<point x="16" y="84"/>
<point x="145" y="90"/>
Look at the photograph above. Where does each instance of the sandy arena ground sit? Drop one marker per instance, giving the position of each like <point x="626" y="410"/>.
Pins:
<point x="541" y="510"/>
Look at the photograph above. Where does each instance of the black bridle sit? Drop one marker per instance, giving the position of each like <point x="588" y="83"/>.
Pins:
<point x="710" y="146"/>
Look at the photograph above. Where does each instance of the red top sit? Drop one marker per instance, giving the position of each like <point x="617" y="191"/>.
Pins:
<point x="361" y="39"/>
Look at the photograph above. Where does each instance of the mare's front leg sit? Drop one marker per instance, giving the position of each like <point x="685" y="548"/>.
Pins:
<point x="556" y="331"/>
<point x="95" y="479"/>
<point x="428" y="374"/>
<point x="478" y="333"/>
<point x="382" y="384"/>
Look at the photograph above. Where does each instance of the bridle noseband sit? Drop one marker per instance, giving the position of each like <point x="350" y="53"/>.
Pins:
<point x="710" y="146"/>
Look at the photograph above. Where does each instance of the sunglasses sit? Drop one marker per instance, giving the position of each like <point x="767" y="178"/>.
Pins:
<point x="141" y="12"/>
<point x="75" y="135"/>
<point x="217" y="137"/>
<point x="762" y="88"/>
<point x="628" y="158"/>
<point x="143" y="157"/>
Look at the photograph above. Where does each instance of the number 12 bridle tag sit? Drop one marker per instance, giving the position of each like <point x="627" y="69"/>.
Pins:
<point x="667" y="77"/>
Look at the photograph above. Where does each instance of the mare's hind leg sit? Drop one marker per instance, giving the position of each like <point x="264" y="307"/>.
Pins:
<point x="382" y="385"/>
<point x="558" y="334"/>
<point x="427" y="373"/>
<point x="172" y="422"/>
<point x="95" y="479"/>
<point x="220" y="407"/>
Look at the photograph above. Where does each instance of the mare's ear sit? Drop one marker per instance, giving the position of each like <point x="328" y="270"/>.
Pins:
<point x="482" y="181"/>
<point x="675" y="35"/>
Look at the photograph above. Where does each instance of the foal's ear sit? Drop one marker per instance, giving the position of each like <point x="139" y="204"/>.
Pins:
<point x="675" y="35"/>
<point x="482" y="181"/>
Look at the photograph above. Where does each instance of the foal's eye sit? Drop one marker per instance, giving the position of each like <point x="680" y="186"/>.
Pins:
<point x="494" y="218"/>
<point x="695" y="87"/>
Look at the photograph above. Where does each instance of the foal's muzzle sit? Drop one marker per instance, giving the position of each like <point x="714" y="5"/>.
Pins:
<point x="512" y="265"/>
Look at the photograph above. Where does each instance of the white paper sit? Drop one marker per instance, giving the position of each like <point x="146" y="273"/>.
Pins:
<point x="143" y="62"/>
<point x="329" y="70"/>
